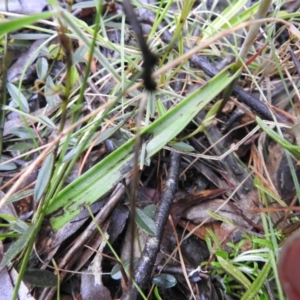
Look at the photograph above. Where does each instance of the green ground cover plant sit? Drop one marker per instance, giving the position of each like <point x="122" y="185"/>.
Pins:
<point x="80" y="127"/>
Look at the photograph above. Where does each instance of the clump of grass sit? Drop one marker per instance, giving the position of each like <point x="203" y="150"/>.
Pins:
<point x="63" y="137"/>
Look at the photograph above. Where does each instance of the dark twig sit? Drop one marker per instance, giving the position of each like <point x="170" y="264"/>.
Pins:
<point x="146" y="263"/>
<point x="149" y="58"/>
<point x="209" y="69"/>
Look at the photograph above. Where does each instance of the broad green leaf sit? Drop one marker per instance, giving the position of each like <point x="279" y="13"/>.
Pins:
<point x="74" y="76"/>
<point x="41" y="278"/>
<point x="23" y="132"/>
<point x="164" y="280"/>
<point x="182" y="147"/>
<point x="101" y="178"/>
<point x="20" y="22"/>
<point x="222" y="254"/>
<point x="247" y="258"/>
<point x="116" y="273"/>
<point x="42" y="67"/>
<point x="51" y="93"/>
<point x="144" y="222"/>
<point x="257" y="284"/>
<point x="16" y="247"/>
<point x="150" y="210"/>
<point x="6" y="166"/>
<point x="43" y="178"/>
<point x="17" y="96"/>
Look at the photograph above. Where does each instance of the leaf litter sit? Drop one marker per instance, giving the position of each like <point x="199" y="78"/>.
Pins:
<point x="212" y="206"/>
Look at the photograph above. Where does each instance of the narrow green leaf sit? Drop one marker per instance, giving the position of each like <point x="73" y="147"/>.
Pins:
<point x="105" y="135"/>
<point x="16" y="247"/>
<point x="295" y="150"/>
<point x="144" y="222"/>
<point x="263" y="242"/>
<point x="51" y="93"/>
<point x="234" y="272"/>
<point x="23" y="132"/>
<point x="12" y="25"/>
<point x="243" y="16"/>
<point x="43" y="177"/>
<point x="258" y="282"/>
<point x="160" y="108"/>
<point x="156" y="293"/>
<point x="48" y="122"/>
<point x="182" y="147"/>
<point x="17" y="96"/>
<point x="222" y="254"/>
<point x="218" y="217"/>
<point x="7" y="217"/>
<point x="101" y="178"/>
<point x="74" y="76"/>
<point x="30" y="36"/>
<point x="20" y="147"/>
<point x="116" y="272"/>
<point x="224" y="18"/>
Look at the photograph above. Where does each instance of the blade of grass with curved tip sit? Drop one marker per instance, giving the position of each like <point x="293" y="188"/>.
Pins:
<point x="295" y="150"/>
<point x="100" y="179"/>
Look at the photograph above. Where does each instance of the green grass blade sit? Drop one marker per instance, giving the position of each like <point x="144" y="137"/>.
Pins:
<point x="12" y="25"/>
<point x="258" y="282"/>
<point x="106" y="174"/>
<point x="17" y="247"/>
<point x="234" y="272"/>
<point x="295" y="150"/>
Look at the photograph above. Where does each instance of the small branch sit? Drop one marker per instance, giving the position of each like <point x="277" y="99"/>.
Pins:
<point x="149" y="58"/>
<point x="146" y="263"/>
